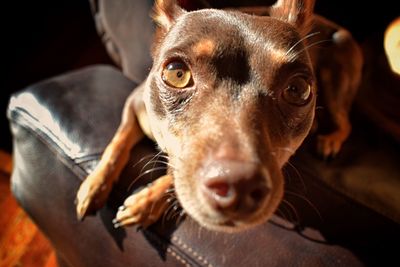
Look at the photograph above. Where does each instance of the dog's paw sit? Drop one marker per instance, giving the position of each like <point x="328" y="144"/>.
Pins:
<point x="146" y="206"/>
<point x="92" y="193"/>
<point x="328" y="146"/>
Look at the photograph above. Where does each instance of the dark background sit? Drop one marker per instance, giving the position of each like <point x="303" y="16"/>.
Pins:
<point x="44" y="38"/>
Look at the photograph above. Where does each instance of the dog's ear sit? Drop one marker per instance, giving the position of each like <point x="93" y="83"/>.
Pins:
<point x="299" y="13"/>
<point x="166" y="12"/>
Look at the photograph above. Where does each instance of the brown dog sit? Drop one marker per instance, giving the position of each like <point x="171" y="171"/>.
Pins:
<point x="230" y="97"/>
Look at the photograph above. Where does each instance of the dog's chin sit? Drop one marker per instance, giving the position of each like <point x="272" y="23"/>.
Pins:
<point x="229" y="225"/>
<point x="214" y="220"/>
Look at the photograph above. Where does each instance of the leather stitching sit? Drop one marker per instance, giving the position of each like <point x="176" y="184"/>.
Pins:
<point x="191" y="251"/>
<point x="177" y="257"/>
<point x="171" y="249"/>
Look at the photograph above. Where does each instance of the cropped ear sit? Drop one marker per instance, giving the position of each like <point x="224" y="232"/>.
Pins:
<point x="166" y="12"/>
<point x="299" y="13"/>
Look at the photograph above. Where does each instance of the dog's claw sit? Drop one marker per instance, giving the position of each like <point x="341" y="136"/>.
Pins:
<point x="80" y="212"/>
<point x="82" y="205"/>
<point x="121" y="208"/>
<point x="328" y="146"/>
<point x="146" y="206"/>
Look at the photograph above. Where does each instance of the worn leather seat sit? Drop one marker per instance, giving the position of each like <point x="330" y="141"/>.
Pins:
<point x="60" y="127"/>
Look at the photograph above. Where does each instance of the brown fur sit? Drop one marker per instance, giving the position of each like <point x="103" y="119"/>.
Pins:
<point x="233" y="119"/>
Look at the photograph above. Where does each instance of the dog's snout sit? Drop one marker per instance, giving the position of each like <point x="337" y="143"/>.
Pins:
<point x="220" y="193"/>
<point x="234" y="187"/>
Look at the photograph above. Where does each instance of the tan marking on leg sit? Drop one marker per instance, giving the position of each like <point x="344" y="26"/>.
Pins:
<point x="330" y="144"/>
<point x="146" y="206"/>
<point x="94" y="191"/>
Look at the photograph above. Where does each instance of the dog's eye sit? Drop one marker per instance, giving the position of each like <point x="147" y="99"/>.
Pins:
<point x="297" y="92"/>
<point x="177" y="74"/>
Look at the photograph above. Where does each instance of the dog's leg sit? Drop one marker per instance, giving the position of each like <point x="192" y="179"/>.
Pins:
<point x="146" y="206"/>
<point x="94" y="191"/>
<point x="339" y="91"/>
<point x="339" y="76"/>
<point x="328" y="145"/>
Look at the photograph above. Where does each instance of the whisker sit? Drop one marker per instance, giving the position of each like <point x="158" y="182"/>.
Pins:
<point x="307" y="47"/>
<point x="176" y="212"/>
<point x="149" y="162"/>
<point x="307" y="201"/>
<point x="164" y="156"/>
<point x="171" y="196"/>
<point x="169" y="200"/>
<point x="172" y="209"/>
<point x="181" y="215"/>
<point x="170" y="190"/>
<point x="142" y="159"/>
<point x="282" y="214"/>
<point x="292" y="208"/>
<point x="282" y="225"/>
<point x="298" y="174"/>
<point x="175" y="206"/>
<point x="163" y="162"/>
<point x="165" y="214"/>
<point x="145" y="173"/>
<point x="288" y="212"/>
<point x="153" y="161"/>
<point x="301" y="40"/>
<point x="286" y="149"/>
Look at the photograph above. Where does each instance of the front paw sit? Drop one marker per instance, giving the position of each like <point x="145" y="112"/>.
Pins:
<point x="146" y="206"/>
<point x="328" y="146"/>
<point x="93" y="193"/>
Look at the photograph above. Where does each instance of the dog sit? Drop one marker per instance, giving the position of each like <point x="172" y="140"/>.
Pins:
<point x="229" y="98"/>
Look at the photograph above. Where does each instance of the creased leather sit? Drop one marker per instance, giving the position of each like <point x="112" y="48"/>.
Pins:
<point x="83" y="133"/>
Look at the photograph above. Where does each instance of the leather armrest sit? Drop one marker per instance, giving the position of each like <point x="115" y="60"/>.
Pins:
<point x="60" y="127"/>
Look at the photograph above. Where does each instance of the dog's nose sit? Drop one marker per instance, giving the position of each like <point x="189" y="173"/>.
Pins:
<point x="234" y="187"/>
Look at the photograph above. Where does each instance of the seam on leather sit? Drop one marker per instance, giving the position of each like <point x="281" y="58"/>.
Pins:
<point x="35" y="123"/>
<point x="88" y="158"/>
<point x="178" y="258"/>
<point x="24" y="119"/>
<point x="172" y="249"/>
<point x="191" y="251"/>
<point x="18" y="118"/>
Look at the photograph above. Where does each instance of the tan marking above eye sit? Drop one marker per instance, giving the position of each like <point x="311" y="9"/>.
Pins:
<point x="176" y="74"/>
<point x="297" y="92"/>
<point x="204" y="47"/>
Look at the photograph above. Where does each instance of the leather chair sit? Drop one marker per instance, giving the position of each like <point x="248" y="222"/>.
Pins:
<point x="60" y="127"/>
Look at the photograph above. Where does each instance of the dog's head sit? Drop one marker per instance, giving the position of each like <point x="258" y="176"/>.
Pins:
<point x="230" y="97"/>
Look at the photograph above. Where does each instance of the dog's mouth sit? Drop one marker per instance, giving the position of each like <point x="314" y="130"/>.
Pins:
<point x="230" y="203"/>
<point x="215" y="220"/>
<point x="219" y="221"/>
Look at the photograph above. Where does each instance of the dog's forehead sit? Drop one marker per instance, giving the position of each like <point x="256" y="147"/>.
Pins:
<point x="207" y="32"/>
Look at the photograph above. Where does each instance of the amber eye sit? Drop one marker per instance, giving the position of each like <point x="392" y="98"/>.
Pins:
<point x="297" y="92"/>
<point x="176" y="74"/>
